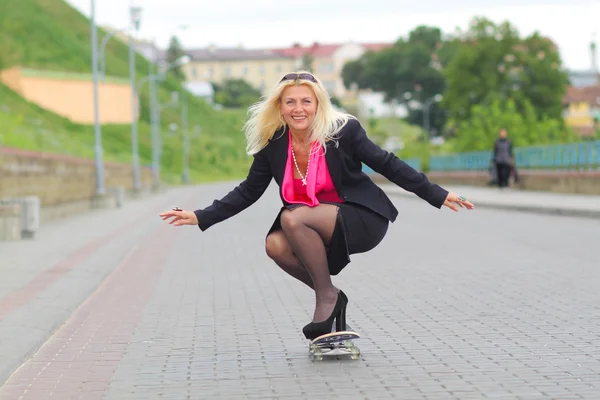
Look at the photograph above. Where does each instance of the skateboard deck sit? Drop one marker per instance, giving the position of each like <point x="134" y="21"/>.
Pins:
<point x="335" y="344"/>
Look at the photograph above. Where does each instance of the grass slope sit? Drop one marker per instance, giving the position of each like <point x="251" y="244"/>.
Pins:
<point x="50" y="35"/>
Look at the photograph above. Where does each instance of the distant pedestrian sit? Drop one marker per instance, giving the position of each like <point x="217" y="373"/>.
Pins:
<point x="492" y="173"/>
<point x="331" y="209"/>
<point x="503" y="158"/>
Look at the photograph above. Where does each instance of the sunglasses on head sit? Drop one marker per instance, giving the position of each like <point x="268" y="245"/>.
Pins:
<point x="293" y="77"/>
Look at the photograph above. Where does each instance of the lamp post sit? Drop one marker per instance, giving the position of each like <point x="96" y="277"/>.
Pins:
<point x="153" y="127"/>
<point x="155" y="108"/>
<point x="102" y="55"/>
<point x="135" y="15"/>
<point x="97" y="132"/>
<point x="158" y="107"/>
<point x="426" y="107"/>
<point x="186" y="138"/>
<point x="181" y="100"/>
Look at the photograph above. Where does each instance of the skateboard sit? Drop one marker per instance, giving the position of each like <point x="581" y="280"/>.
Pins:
<point x="332" y="344"/>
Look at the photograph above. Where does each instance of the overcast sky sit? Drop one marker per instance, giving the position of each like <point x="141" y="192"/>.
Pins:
<point x="279" y="23"/>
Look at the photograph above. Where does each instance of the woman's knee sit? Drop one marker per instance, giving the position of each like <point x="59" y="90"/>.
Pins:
<point x="291" y="220"/>
<point x="277" y="246"/>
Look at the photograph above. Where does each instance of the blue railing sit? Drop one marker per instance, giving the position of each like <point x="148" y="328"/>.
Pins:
<point x="413" y="162"/>
<point x="582" y="155"/>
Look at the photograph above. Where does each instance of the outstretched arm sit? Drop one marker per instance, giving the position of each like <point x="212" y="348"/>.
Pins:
<point x="399" y="172"/>
<point x="237" y="200"/>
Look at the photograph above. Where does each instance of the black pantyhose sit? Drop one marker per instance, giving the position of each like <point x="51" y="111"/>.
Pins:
<point x="306" y="231"/>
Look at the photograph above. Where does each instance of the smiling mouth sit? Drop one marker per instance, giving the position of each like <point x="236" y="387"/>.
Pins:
<point x="298" y="118"/>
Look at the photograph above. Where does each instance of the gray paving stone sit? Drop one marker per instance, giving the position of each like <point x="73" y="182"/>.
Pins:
<point x="50" y="301"/>
<point x="493" y="310"/>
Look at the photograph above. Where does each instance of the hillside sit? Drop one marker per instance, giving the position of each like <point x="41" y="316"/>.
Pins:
<point x="51" y="35"/>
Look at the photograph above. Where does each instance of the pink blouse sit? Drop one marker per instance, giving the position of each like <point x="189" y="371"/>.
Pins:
<point x="319" y="185"/>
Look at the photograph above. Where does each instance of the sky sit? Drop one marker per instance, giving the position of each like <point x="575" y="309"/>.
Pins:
<point x="280" y="23"/>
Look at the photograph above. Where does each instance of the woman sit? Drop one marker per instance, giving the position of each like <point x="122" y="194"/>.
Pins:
<point x="330" y="208"/>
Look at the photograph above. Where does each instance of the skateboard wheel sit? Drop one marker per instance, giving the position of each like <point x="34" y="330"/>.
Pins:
<point x="315" y="357"/>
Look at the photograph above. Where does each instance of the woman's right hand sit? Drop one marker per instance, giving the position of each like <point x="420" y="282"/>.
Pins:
<point x="179" y="217"/>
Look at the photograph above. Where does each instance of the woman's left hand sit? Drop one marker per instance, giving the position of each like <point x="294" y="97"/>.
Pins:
<point x="452" y="200"/>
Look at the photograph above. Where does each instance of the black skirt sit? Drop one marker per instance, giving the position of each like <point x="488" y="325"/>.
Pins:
<point x="357" y="230"/>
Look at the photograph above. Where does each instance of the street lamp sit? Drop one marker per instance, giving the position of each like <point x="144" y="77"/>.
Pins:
<point x="135" y="16"/>
<point x="155" y="108"/>
<point x="426" y="106"/>
<point x="185" y="177"/>
<point x="181" y="100"/>
<point x="97" y="132"/>
<point x="102" y="50"/>
<point x="102" y="57"/>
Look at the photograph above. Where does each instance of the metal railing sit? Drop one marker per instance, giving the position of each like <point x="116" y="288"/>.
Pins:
<point x="413" y="162"/>
<point x="569" y="156"/>
<point x="574" y="156"/>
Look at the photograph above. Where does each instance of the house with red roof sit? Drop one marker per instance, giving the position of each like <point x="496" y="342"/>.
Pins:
<point x="327" y="60"/>
<point x="262" y="68"/>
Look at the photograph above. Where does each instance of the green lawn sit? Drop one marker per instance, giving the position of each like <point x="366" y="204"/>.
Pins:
<point x="50" y="37"/>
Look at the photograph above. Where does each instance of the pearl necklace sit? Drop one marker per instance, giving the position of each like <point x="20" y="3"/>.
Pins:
<point x="298" y="169"/>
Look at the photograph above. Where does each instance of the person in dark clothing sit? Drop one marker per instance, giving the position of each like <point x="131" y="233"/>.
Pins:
<point x="503" y="158"/>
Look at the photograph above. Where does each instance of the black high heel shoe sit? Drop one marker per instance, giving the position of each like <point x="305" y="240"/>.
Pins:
<point x="316" y="329"/>
<point x="340" y="322"/>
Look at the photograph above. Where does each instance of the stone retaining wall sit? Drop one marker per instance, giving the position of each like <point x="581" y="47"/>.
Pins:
<point x="61" y="182"/>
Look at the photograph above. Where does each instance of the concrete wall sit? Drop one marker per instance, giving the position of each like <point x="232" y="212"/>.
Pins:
<point x="12" y="78"/>
<point x="64" y="184"/>
<point x="71" y="95"/>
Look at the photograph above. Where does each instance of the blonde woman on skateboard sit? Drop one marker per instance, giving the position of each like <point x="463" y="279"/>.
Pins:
<point x="330" y="208"/>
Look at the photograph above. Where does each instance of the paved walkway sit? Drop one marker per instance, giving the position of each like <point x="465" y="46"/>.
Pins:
<point x="118" y="305"/>
<point x="522" y="200"/>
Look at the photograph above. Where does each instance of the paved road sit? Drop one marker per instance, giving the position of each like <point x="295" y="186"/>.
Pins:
<point x="475" y="305"/>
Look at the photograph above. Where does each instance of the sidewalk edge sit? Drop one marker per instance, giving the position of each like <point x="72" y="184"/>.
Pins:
<point x="543" y="210"/>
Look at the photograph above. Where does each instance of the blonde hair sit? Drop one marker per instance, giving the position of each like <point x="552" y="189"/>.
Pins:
<point x="265" y="116"/>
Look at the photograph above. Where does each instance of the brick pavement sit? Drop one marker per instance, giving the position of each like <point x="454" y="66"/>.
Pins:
<point x="50" y="276"/>
<point x="490" y="310"/>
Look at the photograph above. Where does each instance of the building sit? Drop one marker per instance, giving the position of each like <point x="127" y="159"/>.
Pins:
<point x="327" y="60"/>
<point x="584" y="78"/>
<point x="203" y="90"/>
<point x="261" y="68"/>
<point x="372" y="104"/>
<point x="582" y="100"/>
<point x="582" y="109"/>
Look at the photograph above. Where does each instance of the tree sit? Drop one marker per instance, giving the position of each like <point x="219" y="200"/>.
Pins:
<point x="493" y="63"/>
<point x="523" y="125"/>
<point x="406" y="67"/>
<point x="175" y="52"/>
<point x="407" y="71"/>
<point x="354" y="72"/>
<point x="235" y="93"/>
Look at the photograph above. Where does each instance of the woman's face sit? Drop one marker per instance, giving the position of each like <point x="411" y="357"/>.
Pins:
<point x="298" y="107"/>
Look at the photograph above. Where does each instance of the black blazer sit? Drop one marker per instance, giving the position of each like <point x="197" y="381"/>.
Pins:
<point x="345" y="166"/>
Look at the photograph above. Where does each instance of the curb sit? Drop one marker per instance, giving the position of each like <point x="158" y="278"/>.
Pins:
<point x="533" y="209"/>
